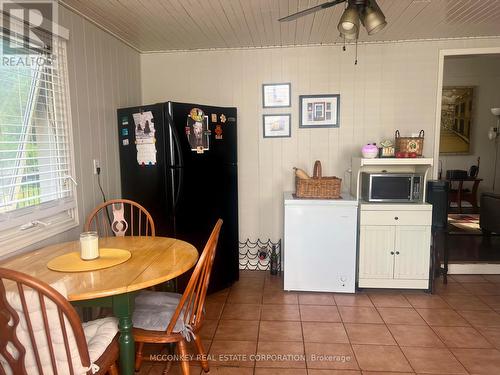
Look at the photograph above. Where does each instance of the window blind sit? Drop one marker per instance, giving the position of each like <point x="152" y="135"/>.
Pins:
<point x="36" y="163"/>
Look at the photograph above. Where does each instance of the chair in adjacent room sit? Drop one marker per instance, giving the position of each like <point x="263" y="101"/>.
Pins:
<point x="40" y="332"/>
<point x="162" y="318"/>
<point x="461" y="194"/>
<point x="489" y="213"/>
<point x="120" y="217"/>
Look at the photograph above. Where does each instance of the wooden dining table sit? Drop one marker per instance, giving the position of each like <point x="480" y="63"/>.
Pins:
<point x="153" y="260"/>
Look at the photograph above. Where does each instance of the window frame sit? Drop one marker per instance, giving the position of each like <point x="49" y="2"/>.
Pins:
<point x="38" y="226"/>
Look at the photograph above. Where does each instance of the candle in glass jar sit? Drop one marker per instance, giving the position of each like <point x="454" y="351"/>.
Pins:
<point x="89" y="245"/>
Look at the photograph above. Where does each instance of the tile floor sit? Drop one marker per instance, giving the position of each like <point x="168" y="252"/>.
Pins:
<point x="256" y="328"/>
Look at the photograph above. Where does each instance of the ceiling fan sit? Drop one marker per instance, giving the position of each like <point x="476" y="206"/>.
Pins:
<point x="366" y="12"/>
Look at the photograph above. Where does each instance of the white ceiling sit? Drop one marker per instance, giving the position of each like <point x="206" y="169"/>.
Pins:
<point x="161" y="25"/>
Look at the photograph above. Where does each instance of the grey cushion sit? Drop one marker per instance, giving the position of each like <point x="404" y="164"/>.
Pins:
<point x="156" y="318"/>
<point x="147" y="297"/>
<point x="154" y="310"/>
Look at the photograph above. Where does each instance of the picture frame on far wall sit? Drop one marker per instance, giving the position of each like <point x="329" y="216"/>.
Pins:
<point x="457" y="115"/>
<point x="277" y="126"/>
<point x="319" y="111"/>
<point x="276" y="95"/>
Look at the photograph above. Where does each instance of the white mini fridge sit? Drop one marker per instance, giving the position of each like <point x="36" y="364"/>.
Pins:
<point x="319" y="248"/>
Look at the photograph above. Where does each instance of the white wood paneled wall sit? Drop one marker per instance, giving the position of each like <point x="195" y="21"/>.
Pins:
<point x="394" y="86"/>
<point x="104" y="74"/>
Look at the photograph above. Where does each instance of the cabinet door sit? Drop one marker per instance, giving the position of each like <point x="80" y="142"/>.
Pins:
<point x="376" y="243"/>
<point x="412" y="252"/>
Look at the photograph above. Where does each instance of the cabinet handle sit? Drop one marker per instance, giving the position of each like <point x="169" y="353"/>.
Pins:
<point x="392" y="252"/>
<point x="397" y="252"/>
<point x="396" y="218"/>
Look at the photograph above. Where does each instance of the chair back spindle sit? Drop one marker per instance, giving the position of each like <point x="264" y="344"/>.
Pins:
<point x="120" y="217"/>
<point x="37" y="324"/>
<point x="193" y="299"/>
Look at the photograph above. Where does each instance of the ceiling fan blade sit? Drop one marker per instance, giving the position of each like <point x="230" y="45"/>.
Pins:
<point x="305" y="12"/>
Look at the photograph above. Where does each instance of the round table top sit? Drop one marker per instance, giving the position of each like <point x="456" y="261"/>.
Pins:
<point x="154" y="260"/>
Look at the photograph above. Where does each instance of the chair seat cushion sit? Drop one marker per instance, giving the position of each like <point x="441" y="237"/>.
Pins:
<point x="154" y="311"/>
<point x="99" y="333"/>
<point x="147" y="297"/>
<point x="156" y="318"/>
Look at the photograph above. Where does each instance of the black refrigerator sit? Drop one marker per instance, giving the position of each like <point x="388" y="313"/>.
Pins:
<point x="179" y="161"/>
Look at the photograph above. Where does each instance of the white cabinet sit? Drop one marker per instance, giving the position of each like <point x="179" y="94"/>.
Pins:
<point x="320" y="244"/>
<point x="376" y="245"/>
<point x="394" y="246"/>
<point x="412" y="252"/>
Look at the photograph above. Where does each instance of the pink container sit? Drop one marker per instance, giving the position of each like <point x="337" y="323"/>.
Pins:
<point x="369" y="151"/>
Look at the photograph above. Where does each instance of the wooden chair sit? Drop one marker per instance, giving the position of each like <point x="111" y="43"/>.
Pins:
<point x="127" y="218"/>
<point x="34" y="338"/>
<point x="162" y="318"/>
<point x="462" y="194"/>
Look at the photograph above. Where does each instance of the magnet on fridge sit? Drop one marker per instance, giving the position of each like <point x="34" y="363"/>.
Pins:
<point x="214" y="117"/>
<point x="231" y="119"/>
<point x="124" y="120"/>
<point x="125" y="142"/>
<point x="124" y="132"/>
<point x="222" y="118"/>
<point x="218" y="132"/>
<point x="199" y="150"/>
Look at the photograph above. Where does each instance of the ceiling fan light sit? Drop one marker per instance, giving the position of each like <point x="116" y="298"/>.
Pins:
<point x="347" y="26"/>
<point x="349" y="22"/>
<point x="350" y="36"/>
<point x="373" y="19"/>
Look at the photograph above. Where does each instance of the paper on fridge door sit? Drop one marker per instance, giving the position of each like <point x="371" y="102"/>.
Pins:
<point x="145" y="140"/>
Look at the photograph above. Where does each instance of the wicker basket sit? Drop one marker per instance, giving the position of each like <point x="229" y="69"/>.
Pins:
<point x="410" y="144"/>
<point x="318" y="187"/>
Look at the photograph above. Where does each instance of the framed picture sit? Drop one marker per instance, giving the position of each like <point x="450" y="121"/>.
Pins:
<point x="276" y="126"/>
<point x="456" y="120"/>
<point x="276" y="95"/>
<point x="319" y="111"/>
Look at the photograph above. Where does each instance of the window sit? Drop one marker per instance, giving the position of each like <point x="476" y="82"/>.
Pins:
<point x="37" y="188"/>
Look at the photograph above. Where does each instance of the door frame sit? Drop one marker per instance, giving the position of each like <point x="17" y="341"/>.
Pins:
<point x="442" y="54"/>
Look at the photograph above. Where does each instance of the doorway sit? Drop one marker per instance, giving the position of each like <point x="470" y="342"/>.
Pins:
<point x="469" y="86"/>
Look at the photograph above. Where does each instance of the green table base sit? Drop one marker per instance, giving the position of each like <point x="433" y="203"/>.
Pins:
<point x="123" y="307"/>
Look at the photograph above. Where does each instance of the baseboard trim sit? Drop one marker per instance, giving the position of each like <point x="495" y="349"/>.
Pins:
<point x="473" y="268"/>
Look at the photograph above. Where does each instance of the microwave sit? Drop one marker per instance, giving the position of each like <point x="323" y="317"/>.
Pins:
<point x="392" y="187"/>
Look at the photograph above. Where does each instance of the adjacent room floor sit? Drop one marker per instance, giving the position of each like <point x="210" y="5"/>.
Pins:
<point x="257" y="328"/>
<point x="471" y="246"/>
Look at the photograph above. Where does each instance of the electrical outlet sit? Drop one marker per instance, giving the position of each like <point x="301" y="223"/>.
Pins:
<point x="95" y="165"/>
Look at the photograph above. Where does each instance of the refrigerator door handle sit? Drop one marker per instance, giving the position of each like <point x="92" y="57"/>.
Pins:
<point x="179" y="186"/>
<point x="178" y="163"/>
<point x="174" y="142"/>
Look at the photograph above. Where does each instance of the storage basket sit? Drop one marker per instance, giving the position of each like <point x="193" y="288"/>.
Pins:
<point x="317" y="186"/>
<point x="410" y="144"/>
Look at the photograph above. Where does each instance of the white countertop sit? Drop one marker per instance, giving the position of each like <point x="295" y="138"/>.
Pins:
<point x="346" y="200"/>
<point x="387" y="206"/>
<point x="394" y="161"/>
